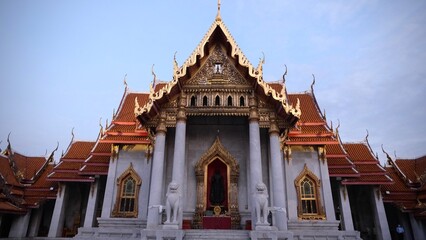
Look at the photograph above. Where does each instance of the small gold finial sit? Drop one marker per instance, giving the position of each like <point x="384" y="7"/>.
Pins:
<point x="218" y="18"/>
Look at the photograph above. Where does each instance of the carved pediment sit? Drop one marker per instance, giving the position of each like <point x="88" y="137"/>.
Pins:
<point x="217" y="70"/>
<point x="217" y="150"/>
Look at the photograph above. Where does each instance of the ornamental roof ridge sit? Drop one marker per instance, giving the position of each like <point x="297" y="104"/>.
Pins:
<point x="308" y="92"/>
<point x="199" y="50"/>
<point x="242" y="60"/>
<point x="395" y="166"/>
<point x="355" y="142"/>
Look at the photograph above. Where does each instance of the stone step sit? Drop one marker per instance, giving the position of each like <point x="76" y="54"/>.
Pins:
<point x="216" y="234"/>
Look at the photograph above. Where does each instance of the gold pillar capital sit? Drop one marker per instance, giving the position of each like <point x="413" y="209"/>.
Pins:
<point x="254" y="112"/>
<point x="161" y="126"/>
<point x="181" y="112"/>
<point x="273" y="126"/>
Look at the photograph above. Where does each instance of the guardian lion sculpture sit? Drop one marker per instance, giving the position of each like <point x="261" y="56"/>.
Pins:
<point x="172" y="202"/>
<point x="261" y="204"/>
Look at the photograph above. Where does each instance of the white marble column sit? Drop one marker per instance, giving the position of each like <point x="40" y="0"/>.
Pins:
<point x="156" y="189"/>
<point x="345" y="209"/>
<point x="179" y="154"/>
<point x="108" y="203"/>
<point x="58" y="216"/>
<point x="19" y="226"/>
<point x="277" y="176"/>
<point x="380" y="220"/>
<point x="326" y="186"/>
<point x="180" y="141"/>
<point x="255" y="154"/>
<point x="92" y="205"/>
<point x="35" y="221"/>
<point x="178" y="172"/>
<point x="416" y="226"/>
<point x="291" y="195"/>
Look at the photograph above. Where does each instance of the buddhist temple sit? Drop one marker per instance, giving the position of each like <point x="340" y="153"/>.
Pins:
<point x="216" y="152"/>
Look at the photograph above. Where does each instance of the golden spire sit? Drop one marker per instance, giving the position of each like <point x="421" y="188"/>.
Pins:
<point x="218" y="18"/>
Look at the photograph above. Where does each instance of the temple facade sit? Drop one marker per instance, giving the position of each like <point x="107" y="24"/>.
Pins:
<point x="215" y="153"/>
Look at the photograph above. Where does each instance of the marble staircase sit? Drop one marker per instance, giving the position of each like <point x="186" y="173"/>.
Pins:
<point x="216" y="234"/>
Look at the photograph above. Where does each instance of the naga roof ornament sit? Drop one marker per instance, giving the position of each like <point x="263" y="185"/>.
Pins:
<point x="236" y="53"/>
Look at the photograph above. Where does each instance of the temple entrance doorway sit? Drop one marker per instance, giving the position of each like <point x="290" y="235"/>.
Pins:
<point x="217" y="187"/>
<point x="217" y="174"/>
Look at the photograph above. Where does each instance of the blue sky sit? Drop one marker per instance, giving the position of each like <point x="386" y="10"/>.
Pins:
<point x="62" y="63"/>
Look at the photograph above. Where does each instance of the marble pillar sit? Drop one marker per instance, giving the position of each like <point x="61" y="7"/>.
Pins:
<point x="380" y="220"/>
<point x="277" y="177"/>
<point x="108" y="204"/>
<point x="178" y="172"/>
<point x="326" y="186"/>
<point x="156" y="189"/>
<point x="58" y="216"/>
<point x="291" y="194"/>
<point x="179" y="153"/>
<point x="255" y="153"/>
<point x="419" y="232"/>
<point x="19" y="226"/>
<point x="89" y="219"/>
<point x="35" y="221"/>
<point x="345" y="209"/>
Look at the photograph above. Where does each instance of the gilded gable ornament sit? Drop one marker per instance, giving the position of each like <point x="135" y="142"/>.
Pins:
<point x="217" y="70"/>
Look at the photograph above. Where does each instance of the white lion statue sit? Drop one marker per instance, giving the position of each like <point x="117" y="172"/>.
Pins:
<point x="172" y="202"/>
<point x="261" y="204"/>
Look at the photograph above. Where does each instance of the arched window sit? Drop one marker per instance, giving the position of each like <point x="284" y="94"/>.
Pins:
<point x="193" y="101"/>
<point x="229" y="101"/>
<point x="309" y="202"/>
<point x="217" y="101"/>
<point x="205" y="101"/>
<point x="307" y="196"/>
<point x="128" y="185"/>
<point x="128" y="194"/>
<point x="242" y="101"/>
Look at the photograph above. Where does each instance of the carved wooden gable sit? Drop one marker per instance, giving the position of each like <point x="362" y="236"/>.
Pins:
<point x="217" y="70"/>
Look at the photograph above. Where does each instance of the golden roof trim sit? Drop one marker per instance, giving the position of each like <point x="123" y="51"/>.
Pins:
<point x="256" y="73"/>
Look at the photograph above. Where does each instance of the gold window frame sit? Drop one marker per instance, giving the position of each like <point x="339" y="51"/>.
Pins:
<point x="129" y="173"/>
<point x="308" y="174"/>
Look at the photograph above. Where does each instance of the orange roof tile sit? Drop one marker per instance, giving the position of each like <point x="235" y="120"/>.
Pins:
<point x="94" y="170"/>
<point x="360" y="152"/>
<point x="342" y="172"/>
<point x="127" y="106"/>
<point x="6" y="172"/>
<point x="78" y="150"/>
<point x="28" y="166"/>
<point x="69" y="177"/>
<point x="308" y="106"/>
<point x="366" y="164"/>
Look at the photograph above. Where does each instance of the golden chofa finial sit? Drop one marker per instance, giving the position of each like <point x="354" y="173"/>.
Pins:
<point x="218" y="18"/>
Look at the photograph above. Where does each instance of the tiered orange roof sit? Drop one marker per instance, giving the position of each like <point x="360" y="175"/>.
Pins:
<point x="312" y="129"/>
<point x="125" y="128"/>
<point x="69" y="165"/>
<point x="11" y="191"/>
<point x="41" y="190"/>
<point x="98" y="161"/>
<point x="371" y="173"/>
<point x="23" y="181"/>
<point x="83" y="160"/>
<point x="409" y="190"/>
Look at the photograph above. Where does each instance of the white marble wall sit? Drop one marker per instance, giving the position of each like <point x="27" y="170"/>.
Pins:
<point x="137" y="157"/>
<point x="201" y="133"/>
